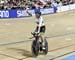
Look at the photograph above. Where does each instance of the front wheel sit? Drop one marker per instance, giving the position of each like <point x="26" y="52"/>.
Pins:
<point x="35" y="48"/>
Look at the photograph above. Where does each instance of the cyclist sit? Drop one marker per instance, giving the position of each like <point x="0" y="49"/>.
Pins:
<point x="40" y="28"/>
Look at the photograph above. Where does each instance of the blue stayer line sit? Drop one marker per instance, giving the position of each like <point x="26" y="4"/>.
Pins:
<point x="70" y="58"/>
<point x="24" y="41"/>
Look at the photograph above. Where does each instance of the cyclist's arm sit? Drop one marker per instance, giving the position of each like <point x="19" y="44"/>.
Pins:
<point x="28" y="12"/>
<point x="40" y="24"/>
<point x="39" y="29"/>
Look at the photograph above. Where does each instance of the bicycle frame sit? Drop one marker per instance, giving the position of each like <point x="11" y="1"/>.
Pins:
<point x="36" y="36"/>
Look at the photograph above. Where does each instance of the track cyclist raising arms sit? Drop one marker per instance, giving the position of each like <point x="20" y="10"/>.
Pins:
<point x="40" y="28"/>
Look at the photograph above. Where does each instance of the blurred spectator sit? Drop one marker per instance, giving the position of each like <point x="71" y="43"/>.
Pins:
<point x="32" y="4"/>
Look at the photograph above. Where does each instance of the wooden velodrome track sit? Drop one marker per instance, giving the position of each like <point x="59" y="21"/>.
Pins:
<point x="60" y="32"/>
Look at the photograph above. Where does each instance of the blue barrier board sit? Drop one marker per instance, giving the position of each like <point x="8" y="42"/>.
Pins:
<point x="22" y="13"/>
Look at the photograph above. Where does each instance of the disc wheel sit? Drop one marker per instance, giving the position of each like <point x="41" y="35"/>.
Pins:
<point x="35" y="48"/>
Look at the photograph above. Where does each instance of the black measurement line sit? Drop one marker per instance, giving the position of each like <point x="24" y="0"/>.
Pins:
<point x="25" y="41"/>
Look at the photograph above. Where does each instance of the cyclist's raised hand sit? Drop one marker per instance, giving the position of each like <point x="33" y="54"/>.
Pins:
<point x="27" y="10"/>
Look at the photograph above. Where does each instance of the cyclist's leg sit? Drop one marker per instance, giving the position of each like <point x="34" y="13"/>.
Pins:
<point x="42" y="33"/>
